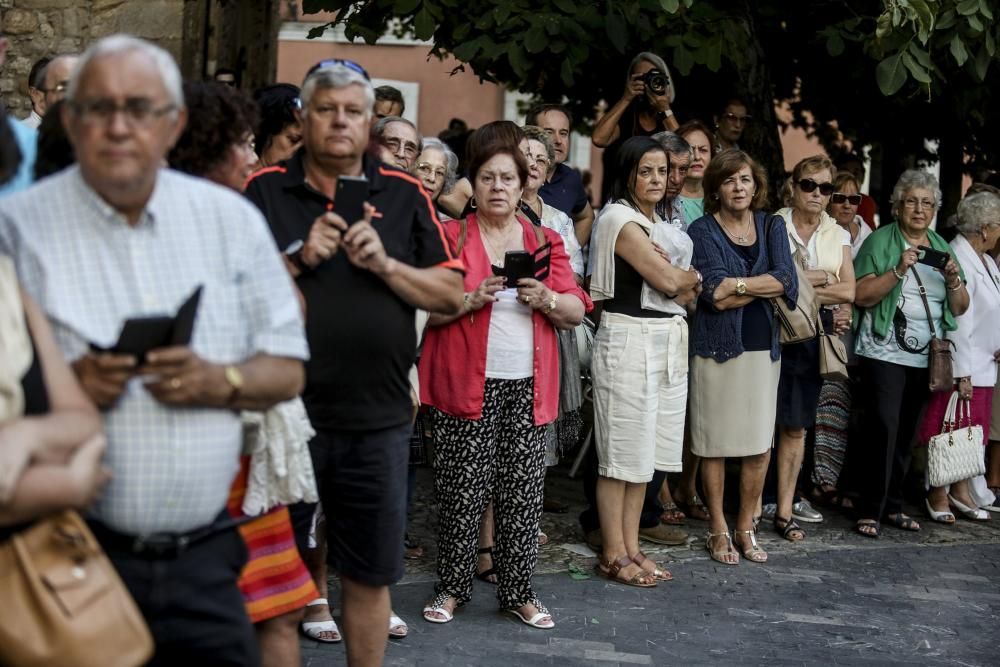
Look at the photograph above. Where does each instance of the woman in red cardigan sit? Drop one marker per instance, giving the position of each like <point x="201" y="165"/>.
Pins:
<point x="491" y="375"/>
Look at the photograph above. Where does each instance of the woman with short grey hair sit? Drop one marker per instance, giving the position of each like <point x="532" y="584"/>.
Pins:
<point x="902" y="304"/>
<point x="977" y="348"/>
<point x="437" y="168"/>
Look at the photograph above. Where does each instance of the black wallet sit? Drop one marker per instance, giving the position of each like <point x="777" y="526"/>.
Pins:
<point x="139" y="335"/>
<point x="519" y="264"/>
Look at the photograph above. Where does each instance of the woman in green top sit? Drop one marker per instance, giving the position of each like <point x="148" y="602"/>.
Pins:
<point x="893" y="337"/>
<point x="702" y="142"/>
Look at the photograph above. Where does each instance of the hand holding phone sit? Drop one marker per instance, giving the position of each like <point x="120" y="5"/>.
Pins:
<point x="933" y="258"/>
<point x="323" y="240"/>
<point x="349" y="199"/>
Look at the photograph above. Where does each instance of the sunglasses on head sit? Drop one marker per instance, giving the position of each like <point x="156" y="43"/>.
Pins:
<point x="349" y="64"/>
<point x="840" y="198"/>
<point x="808" y="185"/>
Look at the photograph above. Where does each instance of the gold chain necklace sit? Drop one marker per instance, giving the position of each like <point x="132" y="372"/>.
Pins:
<point x="498" y="257"/>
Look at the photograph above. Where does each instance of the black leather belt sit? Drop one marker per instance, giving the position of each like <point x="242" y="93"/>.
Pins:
<point x="160" y="545"/>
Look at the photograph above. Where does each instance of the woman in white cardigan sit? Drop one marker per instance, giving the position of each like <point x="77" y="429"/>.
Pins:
<point x="822" y="249"/>
<point x="977" y="348"/>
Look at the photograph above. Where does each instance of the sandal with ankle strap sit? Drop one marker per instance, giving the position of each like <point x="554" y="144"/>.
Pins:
<point x="658" y="573"/>
<point x="316" y="630"/>
<point x="752" y="553"/>
<point x="613" y="571"/>
<point x="788" y="528"/>
<point x="719" y="555"/>
<point x="489" y="572"/>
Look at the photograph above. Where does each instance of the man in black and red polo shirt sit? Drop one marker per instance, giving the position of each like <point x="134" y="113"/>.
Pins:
<point x="362" y="281"/>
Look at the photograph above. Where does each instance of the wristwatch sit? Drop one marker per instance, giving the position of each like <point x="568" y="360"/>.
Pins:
<point x="294" y="254"/>
<point x="741" y="287"/>
<point x="235" y="380"/>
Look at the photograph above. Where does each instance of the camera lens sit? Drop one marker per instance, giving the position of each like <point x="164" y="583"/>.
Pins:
<point x="656" y="82"/>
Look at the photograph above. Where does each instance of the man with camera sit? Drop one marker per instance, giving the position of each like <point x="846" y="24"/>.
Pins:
<point x="643" y="110"/>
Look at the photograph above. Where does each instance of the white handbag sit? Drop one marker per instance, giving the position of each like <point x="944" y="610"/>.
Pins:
<point x="954" y="455"/>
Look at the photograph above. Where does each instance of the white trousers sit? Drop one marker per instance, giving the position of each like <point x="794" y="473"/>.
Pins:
<point x="640" y="369"/>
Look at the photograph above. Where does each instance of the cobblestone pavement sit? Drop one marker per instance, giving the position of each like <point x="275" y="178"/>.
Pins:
<point x="931" y="598"/>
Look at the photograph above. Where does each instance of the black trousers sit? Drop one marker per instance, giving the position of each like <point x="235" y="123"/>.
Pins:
<point x="191" y="602"/>
<point x="893" y="397"/>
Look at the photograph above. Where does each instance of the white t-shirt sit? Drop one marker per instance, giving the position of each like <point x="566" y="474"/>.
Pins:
<point x="510" y="345"/>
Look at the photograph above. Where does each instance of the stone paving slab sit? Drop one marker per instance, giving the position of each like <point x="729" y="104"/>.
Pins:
<point x="799" y="609"/>
<point x="838" y="598"/>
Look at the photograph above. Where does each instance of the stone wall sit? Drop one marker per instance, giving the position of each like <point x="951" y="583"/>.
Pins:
<point x="199" y="33"/>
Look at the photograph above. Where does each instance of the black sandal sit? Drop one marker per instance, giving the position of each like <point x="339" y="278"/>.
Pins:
<point x="832" y="499"/>
<point x="491" y="572"/>
<point x="903" y="522"/>
<point x="868" y="523"/>
<point x="789" y="527"/>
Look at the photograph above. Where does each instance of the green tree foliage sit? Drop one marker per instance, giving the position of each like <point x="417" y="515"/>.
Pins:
<point x="890" y="74"/>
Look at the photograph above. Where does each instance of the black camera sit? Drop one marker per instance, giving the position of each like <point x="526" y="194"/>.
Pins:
<point x="656" y="82"/>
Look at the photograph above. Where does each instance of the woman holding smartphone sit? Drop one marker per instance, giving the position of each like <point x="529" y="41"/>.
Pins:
<point x="895" y="294"/>
<point x="491" y="375"/>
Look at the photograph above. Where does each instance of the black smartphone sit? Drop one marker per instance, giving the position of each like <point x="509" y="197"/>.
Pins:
<point x="933" y="258"/>
<point x="518" y="264"/>
<point x="349" y="200"/>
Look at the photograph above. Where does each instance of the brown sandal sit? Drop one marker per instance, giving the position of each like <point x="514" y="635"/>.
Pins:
<point x="694" y="508"/>
<point x="657" y="572"/>
<point x="613" y="570"/>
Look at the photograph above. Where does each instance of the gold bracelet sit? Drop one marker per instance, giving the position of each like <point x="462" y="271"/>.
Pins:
<point x="955" y="288"/>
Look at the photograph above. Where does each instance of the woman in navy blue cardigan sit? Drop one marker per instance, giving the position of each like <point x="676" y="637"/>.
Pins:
<point x="744" y="257"/>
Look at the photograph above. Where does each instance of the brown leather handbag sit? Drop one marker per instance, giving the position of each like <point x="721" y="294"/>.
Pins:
<point x="939" y="368"/>
<point x="62" y="603"/>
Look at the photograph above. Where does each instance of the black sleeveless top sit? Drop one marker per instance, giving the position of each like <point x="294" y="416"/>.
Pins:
<point x="36" y="402"/>
<point x="628" y="293"/>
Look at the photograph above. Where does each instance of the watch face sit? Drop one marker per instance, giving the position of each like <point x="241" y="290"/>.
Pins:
<point x="294" y="247"/>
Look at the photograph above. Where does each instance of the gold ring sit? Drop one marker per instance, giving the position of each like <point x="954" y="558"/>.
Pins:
<point x="175" y="383"/>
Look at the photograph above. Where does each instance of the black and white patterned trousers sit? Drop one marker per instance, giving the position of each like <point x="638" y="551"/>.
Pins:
<point x="500" y="456"/>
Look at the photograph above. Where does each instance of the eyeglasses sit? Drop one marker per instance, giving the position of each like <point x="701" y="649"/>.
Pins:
<point x="60" y="87"/>
<point x="540" y="160"/>
<point x="840" y="198"/>
<point x="739" y="120"/>
<point x="138" y="111"/>
<point x="915" y="204"/>
<point x="349" y="64"/>
<point x="394" y="144"/>
<point x="429" y="170"/>
<point x="808" y="185"/>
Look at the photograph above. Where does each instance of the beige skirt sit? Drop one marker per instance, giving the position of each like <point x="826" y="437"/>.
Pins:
<point x="733" y="405"/>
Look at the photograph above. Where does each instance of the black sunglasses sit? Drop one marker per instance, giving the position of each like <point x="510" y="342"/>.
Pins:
<point x="808" y="185"/>
<point x="840" y="198"/>
<point x="349" y="64"/>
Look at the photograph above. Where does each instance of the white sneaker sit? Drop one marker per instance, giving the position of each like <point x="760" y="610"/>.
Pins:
<point x="803" y="511"/>
<point x="768" y="511"/>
